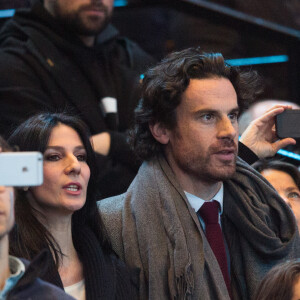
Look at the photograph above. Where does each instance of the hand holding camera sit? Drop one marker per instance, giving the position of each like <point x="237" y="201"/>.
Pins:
<point x="261" y="136"/>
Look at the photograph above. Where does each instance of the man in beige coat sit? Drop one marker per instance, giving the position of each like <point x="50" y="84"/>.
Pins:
<point x="187" y="133"/>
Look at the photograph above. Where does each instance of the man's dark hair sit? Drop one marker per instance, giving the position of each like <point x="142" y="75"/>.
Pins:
<point x="275" y="164"/>
<point x="164" y="85"/>
<point x="30" y="236"/>
<point x="279" y="282"/>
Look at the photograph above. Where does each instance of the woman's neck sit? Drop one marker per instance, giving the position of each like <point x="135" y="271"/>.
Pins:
<point x="4" y="261"/>
<point x="70" y="267"/>
<point x="61" y="230"/>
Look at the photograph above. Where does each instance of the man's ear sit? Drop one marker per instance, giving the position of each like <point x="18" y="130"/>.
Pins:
<point x="160" y="133"/>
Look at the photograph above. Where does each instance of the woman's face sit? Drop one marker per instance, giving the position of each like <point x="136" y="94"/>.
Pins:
<point x="296" y="290"/>
<point x="66" y="174"/>
<point x="286" y="187"/>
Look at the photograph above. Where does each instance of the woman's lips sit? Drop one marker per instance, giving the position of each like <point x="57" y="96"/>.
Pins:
<point x="73" y="188"/>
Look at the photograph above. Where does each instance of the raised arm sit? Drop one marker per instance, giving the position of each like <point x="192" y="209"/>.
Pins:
<point x="260" y="135"/>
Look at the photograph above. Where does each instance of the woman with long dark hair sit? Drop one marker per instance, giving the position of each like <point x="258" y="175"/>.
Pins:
<point x="20" y="279"/>
<point x="62" y="215"/>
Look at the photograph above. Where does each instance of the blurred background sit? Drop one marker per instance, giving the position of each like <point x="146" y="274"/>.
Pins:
<point x="267" y="31"/>
<point x="259" y="34"/>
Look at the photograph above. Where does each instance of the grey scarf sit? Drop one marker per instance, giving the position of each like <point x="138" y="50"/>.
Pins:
<point x="160" y="234"/>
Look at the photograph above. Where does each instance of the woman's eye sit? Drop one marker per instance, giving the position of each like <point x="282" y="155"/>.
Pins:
<point x="81" y="157"/>
<point x="52" y="157"/>
<point x="293" y="195"/>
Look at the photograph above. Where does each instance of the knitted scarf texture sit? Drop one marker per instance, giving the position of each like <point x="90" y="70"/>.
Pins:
<point x="153" y="228"/>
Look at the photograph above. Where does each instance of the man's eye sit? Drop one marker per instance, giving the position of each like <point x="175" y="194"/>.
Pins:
<point x="233" y="116"/>
<point x="207" y="117"/>
<point x="293" y="195"/>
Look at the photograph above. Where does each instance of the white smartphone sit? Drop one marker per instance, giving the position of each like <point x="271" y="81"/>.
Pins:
<point x="21" y="168"/>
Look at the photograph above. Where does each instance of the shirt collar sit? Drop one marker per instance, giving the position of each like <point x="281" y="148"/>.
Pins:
<point x="16" y="266"/>
<point x="17" y="269"/>
<point x="197" y="202"/>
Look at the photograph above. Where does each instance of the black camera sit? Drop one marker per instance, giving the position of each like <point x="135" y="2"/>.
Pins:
<point x="288" y="124"/>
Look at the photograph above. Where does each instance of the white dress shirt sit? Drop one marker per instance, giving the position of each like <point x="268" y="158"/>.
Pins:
<point x="197" y="202"/>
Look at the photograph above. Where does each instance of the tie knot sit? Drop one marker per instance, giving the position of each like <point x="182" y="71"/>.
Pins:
<point x="209" y="212"/>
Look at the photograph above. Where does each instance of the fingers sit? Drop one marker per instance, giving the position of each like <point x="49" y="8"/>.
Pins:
<point x="283" y="143"/>
<point x="279" y="106"/>
<point x="269" y="115"/>
<point x="101" y="143"/>
<point x="272" y="112"/>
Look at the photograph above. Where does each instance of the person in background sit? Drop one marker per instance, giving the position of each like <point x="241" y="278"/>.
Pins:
<point x="281" y="283"/>
<point x="197" y="220"/>
<point x="285" y="178"/>
<point x="65" y="54"/>
<point x="18" y="278"/>
<point x="61" y="215"/>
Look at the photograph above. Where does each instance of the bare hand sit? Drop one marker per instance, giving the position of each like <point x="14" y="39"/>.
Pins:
<point x="101" y="143"/>
<point x="260" y="135"/>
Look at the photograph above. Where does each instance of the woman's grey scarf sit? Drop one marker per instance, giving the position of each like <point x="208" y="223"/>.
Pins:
<point x="160" y="234"/>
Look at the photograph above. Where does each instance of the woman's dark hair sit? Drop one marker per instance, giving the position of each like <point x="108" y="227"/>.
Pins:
<point x="164" y="85"/>
<point x="279" y="282"/>
<point x="275" y="164"/>
<point x="30" y="236"/>
<point x="4" y="145"/>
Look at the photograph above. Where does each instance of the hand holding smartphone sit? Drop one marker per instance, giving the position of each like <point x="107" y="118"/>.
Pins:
<point x="21" y="169"/>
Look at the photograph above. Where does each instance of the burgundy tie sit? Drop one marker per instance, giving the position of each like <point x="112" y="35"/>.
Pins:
<point x="209" y="212"/>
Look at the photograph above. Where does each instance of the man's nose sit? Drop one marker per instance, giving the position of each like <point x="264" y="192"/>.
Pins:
<point x="226" y="128"/>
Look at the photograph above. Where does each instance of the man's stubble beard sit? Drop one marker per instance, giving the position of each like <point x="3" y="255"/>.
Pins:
<point x="204" y="168"/>
<point x="75" y="23"/>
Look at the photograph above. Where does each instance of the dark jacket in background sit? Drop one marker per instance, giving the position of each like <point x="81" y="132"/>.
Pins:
<point x="44" y="67"/>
